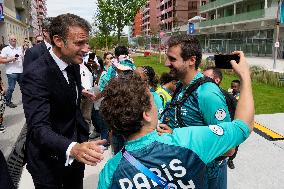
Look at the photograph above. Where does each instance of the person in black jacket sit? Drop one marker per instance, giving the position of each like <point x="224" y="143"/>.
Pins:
<point x="41" y="47"/>
<point x="56" y="144"/>
<point x="5" y="179"/>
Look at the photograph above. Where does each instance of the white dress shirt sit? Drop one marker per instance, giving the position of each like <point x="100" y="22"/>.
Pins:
<point x="62" y="65"/>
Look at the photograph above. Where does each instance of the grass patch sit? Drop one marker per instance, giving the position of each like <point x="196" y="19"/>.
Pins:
<point x="268" y="99"/>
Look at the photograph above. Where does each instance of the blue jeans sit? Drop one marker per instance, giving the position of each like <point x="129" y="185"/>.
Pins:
<point x="100" y="122"/>
<point x="12" y="79"/>
<point x="217" y="175"/>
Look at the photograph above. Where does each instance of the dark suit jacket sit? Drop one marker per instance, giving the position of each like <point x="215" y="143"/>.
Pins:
<point x="52" y="117"/>
<point x="34" y="53"/>
<point x="5" y="179"/>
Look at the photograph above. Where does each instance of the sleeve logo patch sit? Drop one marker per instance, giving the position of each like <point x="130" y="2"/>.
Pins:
<point x="220" y="114"/>
<point x="216" y="130"/>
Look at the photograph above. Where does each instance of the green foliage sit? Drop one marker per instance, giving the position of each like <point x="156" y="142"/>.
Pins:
<point x="117" y="14"/>
<point x="99" y="41"/>
<point x="257" y="74"/>
<point x="267" y="77"/>
<point x="268" y="98"/>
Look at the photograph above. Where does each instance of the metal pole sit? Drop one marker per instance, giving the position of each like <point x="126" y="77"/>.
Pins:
<point x="160" y="45"/>
<point x="276" y="36"/>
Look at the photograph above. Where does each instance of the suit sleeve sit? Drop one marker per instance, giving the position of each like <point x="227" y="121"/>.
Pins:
<point x="28" y="58"/>
<point x="37" y="110"/>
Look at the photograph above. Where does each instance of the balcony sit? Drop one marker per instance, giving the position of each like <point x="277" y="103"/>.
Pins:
<point x="145" y="9"/>
<point x="40" y="11"/>
<point x="258" y="14"/>
<point x="215" y="4"/>
<point x="40" y="17"/>
<point x="19" y="4"/>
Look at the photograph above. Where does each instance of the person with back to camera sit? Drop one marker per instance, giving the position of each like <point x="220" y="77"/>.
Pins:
<point x="149" y="160"/>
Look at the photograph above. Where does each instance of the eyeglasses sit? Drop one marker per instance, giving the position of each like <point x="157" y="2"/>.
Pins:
<point x="38" y="41"/>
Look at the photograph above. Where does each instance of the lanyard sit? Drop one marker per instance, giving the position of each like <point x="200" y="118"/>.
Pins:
<point x="163" y="183"/>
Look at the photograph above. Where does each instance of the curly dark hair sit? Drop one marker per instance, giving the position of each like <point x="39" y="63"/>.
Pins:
<point x="189" y="45"/>
<point x="121" y="50"/>
<point x="125" y="100"/>
<point x="152" y="78"/>
<point x="60" y="25"/>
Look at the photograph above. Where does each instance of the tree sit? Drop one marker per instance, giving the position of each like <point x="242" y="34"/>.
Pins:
<point x="118" y="13"/>
<point x="103" y="21"/>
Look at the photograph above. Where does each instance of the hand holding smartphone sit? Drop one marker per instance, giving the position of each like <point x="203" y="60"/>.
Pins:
<point x="222" y="61"/>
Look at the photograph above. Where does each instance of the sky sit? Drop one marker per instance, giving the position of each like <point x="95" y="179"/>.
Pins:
<point x="83" y="8"/>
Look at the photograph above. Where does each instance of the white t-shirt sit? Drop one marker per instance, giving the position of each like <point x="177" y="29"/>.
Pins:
<point x="15" y="66"/>
<point x="86" y="77"/>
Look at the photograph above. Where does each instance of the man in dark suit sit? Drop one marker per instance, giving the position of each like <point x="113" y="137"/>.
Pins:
<point x="5" y="179"/>
<point x="57" y="132"/>
<point x="42" y="45"/>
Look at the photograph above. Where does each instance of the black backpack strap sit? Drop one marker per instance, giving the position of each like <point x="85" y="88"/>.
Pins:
<point x="187" y="93"/>
<point x="231" y="102"/>
<point x="178" y="103"/>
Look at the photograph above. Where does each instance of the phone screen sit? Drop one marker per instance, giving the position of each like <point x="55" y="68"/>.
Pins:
<point x="223" y="60"/>
<point x="91" y="57"/>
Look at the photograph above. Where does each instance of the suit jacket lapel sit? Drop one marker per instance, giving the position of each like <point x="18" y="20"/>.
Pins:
<point x="59" y="77"/>
<point x="43" y="48"/>
<point x="78" y="82"/>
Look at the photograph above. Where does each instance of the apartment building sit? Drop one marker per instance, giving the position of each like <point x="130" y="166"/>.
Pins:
<point x="149" y="18"/>
<point x="33" y="27"/>
<point x="172" y="14"/>
<point x="15" y="20"/>
<point x="41" y="12"/>
<point x="247" y="25"/>
<point x="137" y="23"/>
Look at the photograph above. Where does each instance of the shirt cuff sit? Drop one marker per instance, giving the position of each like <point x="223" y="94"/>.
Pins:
<point x="69" y="159"/>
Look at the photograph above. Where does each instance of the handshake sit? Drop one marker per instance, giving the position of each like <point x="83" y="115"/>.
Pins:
<point x="91" y="96"/>
<point x="89" y="153"/>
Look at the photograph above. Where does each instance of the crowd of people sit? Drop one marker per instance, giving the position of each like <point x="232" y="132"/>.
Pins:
<point x="175" y="131"/>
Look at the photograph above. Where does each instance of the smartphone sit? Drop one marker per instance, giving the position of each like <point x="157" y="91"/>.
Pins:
<point x="222" y="61"/>
<point x="91" y="57"/>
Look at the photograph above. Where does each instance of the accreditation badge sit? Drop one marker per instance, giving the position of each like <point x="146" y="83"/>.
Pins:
<point x="220" y="114"/>
<point x="216" y="129"/>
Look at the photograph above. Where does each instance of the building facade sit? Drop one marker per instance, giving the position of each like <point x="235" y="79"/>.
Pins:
<point x="240" y="25"/>
<point x="22" y="18"/>
<point x="16" y="20"/>
<point x="149" y="18"/>
<point x="137" y="23"/>
<point x="33" y="27"/>
<point x="172" y="14"/>
<point x="41" y="12"/>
